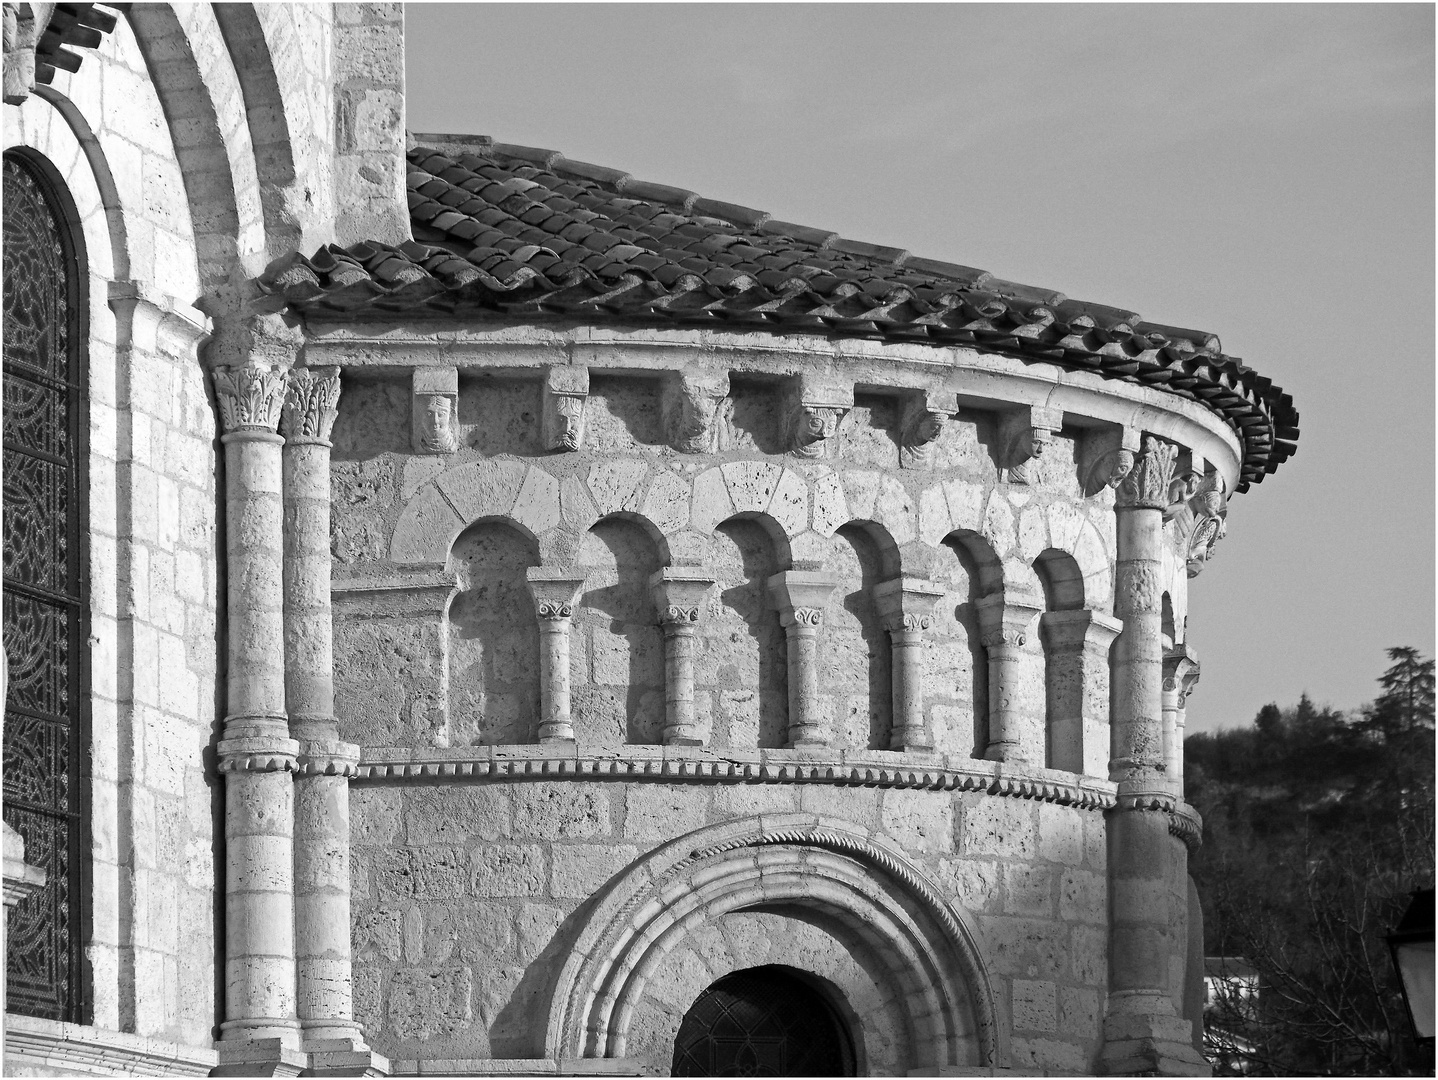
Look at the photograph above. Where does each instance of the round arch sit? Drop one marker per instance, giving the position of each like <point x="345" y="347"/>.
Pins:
<point x="855" y="881"/>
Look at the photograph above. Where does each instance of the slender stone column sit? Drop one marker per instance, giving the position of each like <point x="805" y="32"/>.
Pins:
<point x="800" y="596"/>
<point x="1076" y="662"/>
<point x="256" y="754"/>
<point x="1143" y="1031"/>
<point x="1180" y="676"/>
<point x="679" y="598"/>
<point x="906" y="606"/>
<point x="1016" y="724"/>
<point x="322" y="843"/>
<point x="555" y="595"/>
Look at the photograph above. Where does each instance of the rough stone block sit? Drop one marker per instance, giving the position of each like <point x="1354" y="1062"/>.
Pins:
<point x="1002" y="827"/>
<point x="1079" y="1011"/>
<point x="378" y="933"/>
<point x="1035" y="1005"/>
<point x="426" y="873"/>
<point x="509" y="870"/>
<point x="1029" y="891"/>
<point x="430" y="1001"/>
<point x="1061" y="834"/>
<point x="919" y="820"/>
<point x="457" y="815"/>
<point x="374" y="815"/>
<point x="661" y="811"/>
<point x="536" y="925"/>
<point x="1082" y="897"/>
<point x="554" y="811"/>
<point x="581" y="870"/>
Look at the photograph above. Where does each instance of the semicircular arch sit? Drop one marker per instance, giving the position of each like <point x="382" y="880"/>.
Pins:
<point x="872" y="888"/>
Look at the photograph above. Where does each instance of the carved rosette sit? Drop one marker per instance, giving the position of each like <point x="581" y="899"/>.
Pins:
<point x="1147" y="485"/>
<point x="701" y="415"/>
<point x="311" y="405"/>
<point x="679" y="615"/>
<point x="251" y="397"/>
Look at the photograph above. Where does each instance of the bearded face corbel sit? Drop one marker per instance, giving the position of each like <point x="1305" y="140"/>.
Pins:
<point x="566" y="416"/>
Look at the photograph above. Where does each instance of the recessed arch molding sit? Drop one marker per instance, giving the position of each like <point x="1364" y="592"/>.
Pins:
<point x="842" y="873"/>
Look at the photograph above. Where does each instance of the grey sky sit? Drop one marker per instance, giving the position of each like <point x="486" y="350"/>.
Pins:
<point x="1262" y="172"/>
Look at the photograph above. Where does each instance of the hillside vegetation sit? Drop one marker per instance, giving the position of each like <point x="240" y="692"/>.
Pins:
<point x="1317" y="827"/>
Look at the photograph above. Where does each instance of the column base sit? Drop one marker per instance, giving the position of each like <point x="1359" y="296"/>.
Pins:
<point x="1145" y="1044"/>
<point x="554" y="740"/>
<point x="344" y="1057"/>
<point x="682" y="741"/>
<point x="259" y="1057"/>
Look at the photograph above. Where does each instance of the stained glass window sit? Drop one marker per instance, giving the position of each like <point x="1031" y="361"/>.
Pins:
<point x="45" y="587"/>
<point x="763" y="1021"/>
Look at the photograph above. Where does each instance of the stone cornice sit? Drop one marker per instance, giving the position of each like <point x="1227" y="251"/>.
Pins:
<point x="979" y="380"/>
<point x="668" y="763"/>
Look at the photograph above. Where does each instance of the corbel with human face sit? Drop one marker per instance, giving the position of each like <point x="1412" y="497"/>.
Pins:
<point x="924" y="418"/>
<point x="1024" y="435"/>
<point x="434" y="411"/>
<point x="815" y="412"/>
<point x="566" y="391"/>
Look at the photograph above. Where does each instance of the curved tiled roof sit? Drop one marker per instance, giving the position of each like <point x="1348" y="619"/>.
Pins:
<point x="527" y="233"/>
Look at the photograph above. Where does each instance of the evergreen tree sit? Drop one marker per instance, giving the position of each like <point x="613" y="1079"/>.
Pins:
<point x="1317" y="828"/>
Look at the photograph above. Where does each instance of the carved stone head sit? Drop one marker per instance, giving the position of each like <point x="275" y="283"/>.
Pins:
<point x="567" y="431"/>
<point x="437" y="428"/>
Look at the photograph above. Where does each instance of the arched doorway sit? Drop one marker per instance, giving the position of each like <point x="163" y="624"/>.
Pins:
<point x="763" y="1021"/>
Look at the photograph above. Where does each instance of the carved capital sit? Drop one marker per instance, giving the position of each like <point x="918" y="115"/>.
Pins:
<point x="434" y="411"/>
<point x="1080" y="629"/>
<point x="699" y="413"/>
<point x="1005" y="620"/>
<point x="1147" y="484"/>
<point x="1024" y="435"/>
<point x="250" y="397"/>
<point x="566" y="390"/>
<point x="555" y="592"/>
<point x="815" y="411"/>
<point x="1180" y="672"/>
<point x="800" y="596"/>
<point x="906" y="604"/>
<point x="311" y="405"/>
<point x="1198" y="518"/>
<point x="679" y="596"/>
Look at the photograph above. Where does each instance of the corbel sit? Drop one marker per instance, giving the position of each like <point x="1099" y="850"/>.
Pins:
<point x="814" y="411"/>
<point x="434" y="410"/>
<point x="924" y="417"/>
<point x="698" y="413"/>
<point x="1107" y="456"/>
<point x="566" y="389"/>
<point x="1197" y="516"/>
<point x="1024" y="435"/>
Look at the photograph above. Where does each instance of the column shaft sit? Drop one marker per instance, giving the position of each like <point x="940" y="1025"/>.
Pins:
<point x="555" y="721"/>
<point x="256" y="753"/>
<point x="1138" y="654"/>
<point x="679" y="726"/>
<point x="907" y="673"/>
<point x="322" y="851"/>
<point x="806" y="718"/>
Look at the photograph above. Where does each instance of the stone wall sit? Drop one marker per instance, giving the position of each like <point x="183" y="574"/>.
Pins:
<point x="468" y="897"/>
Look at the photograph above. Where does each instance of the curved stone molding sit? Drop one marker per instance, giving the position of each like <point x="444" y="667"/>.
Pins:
<point x="1185" y="823"/>
<point x="795" y="859"/>
<point x="661" y="764"/>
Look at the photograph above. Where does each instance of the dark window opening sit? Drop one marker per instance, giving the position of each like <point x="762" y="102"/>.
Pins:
<point x="764" y="1021"/>
<point x="46" y="587"/>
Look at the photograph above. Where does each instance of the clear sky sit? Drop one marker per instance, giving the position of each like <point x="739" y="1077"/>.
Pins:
<point x="1265" y="173"/>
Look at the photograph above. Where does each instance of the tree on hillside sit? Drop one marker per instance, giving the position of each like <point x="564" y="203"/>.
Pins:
<point x="1317" y="828"/>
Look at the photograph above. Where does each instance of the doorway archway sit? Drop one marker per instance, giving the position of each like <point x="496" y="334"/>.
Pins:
<point x="762" y="1021"/>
